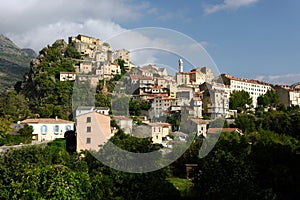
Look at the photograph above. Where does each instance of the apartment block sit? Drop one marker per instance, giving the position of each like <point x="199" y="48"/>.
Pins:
<point x="253" y="87"/>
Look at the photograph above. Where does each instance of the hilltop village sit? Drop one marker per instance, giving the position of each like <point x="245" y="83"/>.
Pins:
<point x="174" y="106"/>
<point x="85" y="110"/>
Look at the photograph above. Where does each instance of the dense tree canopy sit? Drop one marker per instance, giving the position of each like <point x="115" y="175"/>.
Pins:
<point x="270" y="98"/>
<point x="47" y="95"/>
<point x="240" y="100"/>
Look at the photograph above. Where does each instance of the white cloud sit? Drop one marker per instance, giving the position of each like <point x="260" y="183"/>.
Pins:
<point x="34" y="23"/>
<point x="284" y="79"/>
<point x="39" y="37"/>
<point x="228" y="5"/>
<point x="37" y="23"/>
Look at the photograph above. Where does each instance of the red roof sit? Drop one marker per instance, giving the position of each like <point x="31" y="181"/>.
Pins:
<point x="122" y="118"/>
<point x="159" y="124"/>
<point x="245" y="80"/>
<point x="199" y="121"/>
<point x="45" y="121"/>
<point x="146" y="78"/>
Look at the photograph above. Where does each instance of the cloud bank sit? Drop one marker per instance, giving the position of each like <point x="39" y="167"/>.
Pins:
<point x="34" y="23"/>
<point x="228" y="5"/>
<point x="285" y="79"/>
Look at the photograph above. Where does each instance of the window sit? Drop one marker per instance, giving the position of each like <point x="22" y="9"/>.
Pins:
<point x="88" y="140"/>
<point x="88" y="129"/>
<point x="68" y="128"/>
<point x="44" y="129"/>
<point x="56" y="128"/>
<point x="88" y="120"/>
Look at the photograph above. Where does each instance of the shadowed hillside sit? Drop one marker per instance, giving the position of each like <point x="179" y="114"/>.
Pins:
<point x="14" y="62"/>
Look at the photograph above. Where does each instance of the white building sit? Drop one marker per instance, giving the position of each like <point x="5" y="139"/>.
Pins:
<point x="67" y="76"/>
<point x="48" y="128"/>
<point x="253" y="87"/>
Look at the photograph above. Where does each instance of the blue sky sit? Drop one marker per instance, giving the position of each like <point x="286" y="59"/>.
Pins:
<point x="246" y="38"/>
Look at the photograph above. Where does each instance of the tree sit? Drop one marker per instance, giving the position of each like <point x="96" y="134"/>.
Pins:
<point x="108" y="183"/>
<point x="270" y="98"/>
<point x="71" y="142"/>
<point x="52" y="182"/>
<point x="240" y="100"/>
<point x="136" y="107"/>
<point x="121" y="63"/>
<point x="278" y="121"/>
<point x="246" y="122"/>
<point x="225" y="166"/>
<point x="263" y="101"/>
<point x="26" y="132"/>
<point x="71" y="52"/>
<point x="4" y="128"/>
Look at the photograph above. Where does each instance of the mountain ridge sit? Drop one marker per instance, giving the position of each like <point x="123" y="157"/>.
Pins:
<point x="14" y="62"/>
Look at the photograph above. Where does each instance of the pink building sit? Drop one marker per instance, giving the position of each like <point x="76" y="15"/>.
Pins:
<point x="93" y="131"/>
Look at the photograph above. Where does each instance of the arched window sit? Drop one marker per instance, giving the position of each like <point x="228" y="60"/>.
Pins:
<point x="44" y="129"/>
<point x="56" y="129"/>
<point x="68" y="128"/>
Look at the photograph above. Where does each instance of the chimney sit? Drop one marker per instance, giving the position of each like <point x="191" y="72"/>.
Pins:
<point x="55" y="117"/>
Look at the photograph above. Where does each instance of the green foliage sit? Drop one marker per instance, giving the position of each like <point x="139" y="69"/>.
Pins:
<point x="106" y="44"/>
<point x="174" y="120"/>
<point x="246" y="122"/>
<point x="270" y="98"/>
<point x="136" y="120"/>
<point x="112" y="184"/>
<point x="183" y="185"/>
<point x="9" y="140"/>
<point x="279" y="122"/>
<point x="239" y="100"/>
<point x="136" y="107"/>
<point x="121" y="63"/>
<point x="12" y="105"/>
<point x="26" y="132"/>
<point x="4" y="128"/>
<point x="102" y="100"/>
<point x="253" y="166"/>
<point x="71" y="52"/>
<point x="52" y="182"/>
<point x="48" y="96"/>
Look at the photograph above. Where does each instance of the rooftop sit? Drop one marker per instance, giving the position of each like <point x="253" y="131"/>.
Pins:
<point x="45" y="121"/>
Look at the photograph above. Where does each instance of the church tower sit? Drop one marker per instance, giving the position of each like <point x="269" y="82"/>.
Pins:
<point x="180" y="65"/>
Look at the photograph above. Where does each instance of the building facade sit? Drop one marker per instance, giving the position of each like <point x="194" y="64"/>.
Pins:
<point x="289" y="95"/>
<point x="92" y="131"/>
<point x="47" y="129"/>
<point x="253" y="87"/>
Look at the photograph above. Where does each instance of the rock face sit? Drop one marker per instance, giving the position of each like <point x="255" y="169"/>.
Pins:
<point x="14" y="62"/>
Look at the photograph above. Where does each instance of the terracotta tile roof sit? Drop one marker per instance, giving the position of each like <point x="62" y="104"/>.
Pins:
<point x="159" y="124"/>
<point x="199" y="121"/>
<point x="244" y="80"/>
<point x="122" y="118"/>
<point x="216" y="130"/>
<point x="146" y="78"/>
<point x="45" y="121"/>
